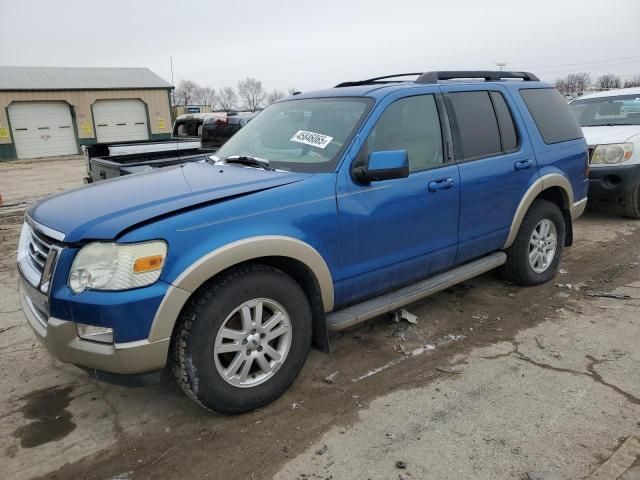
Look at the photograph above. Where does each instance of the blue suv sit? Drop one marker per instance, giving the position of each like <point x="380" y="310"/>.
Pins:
<point x="329" y="208"/>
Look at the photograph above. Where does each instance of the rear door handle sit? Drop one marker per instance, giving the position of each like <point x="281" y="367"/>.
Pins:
<point x="522" y="164"/>
<point x="442" y="184"/>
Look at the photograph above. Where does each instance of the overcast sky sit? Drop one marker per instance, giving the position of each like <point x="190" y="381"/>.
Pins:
<point x="314" y="44"/>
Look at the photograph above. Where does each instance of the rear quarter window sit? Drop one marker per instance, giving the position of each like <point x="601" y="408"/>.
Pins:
<point x="550" y="111"/>
<point x="505" y="121"/>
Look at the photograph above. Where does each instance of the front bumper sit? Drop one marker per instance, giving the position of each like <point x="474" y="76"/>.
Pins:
<point x="612" y="182"/>
<point x="62" y="342"/>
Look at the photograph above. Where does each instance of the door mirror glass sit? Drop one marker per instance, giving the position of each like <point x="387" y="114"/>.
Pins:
<point x="383" y="165"/>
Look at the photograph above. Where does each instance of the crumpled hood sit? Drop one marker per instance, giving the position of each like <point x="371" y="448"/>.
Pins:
<point x="614" y="134"/>
<point x="103" y="210"/>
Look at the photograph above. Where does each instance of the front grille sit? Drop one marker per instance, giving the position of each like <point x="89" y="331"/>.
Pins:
<point x="38" y="249"/>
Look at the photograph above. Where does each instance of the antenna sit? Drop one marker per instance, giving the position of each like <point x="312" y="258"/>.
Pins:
<point x="501" y="65"/>
<point x="173" y="95"/>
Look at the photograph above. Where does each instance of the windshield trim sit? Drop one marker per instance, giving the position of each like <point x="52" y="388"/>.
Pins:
<point x="611" y="124"/>
<point x="605" y="98"/>
<point x="332" y="165"/>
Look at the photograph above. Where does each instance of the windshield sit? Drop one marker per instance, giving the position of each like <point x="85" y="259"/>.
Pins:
<point x="618" y="110"/>
<point x="305" y="135"/>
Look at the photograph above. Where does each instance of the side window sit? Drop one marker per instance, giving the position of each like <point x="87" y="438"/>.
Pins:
<point x="552" y="115"/>
<point x="410" y="124"/>
<point x="477" y="133"/>
<point x="505" y="122"/>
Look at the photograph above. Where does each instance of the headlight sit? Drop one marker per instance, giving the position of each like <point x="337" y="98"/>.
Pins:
<point x="112" y="266"/>
<point x="612" y="153"/>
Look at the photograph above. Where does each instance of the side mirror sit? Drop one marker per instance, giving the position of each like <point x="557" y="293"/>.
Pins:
<point x="383" y="165"/>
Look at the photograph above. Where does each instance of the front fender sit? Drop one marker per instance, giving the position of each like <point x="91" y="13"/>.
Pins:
<point x="233" y="254"/>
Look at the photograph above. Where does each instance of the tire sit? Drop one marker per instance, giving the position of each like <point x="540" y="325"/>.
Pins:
<point x="199" y="367"/>
<point x="632" y="202"/>
<point x="519" y="269"/>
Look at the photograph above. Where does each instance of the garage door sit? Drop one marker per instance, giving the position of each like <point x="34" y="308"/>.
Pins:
<point x="120" y="120"/>
<point x="42" y="129"/>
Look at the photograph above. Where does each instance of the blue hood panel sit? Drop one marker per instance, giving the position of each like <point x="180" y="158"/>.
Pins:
<point x="103" y="210"/>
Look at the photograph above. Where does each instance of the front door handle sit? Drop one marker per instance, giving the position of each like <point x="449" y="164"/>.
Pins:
<point x="522" y="164"/>
<point x="442" y="184"/>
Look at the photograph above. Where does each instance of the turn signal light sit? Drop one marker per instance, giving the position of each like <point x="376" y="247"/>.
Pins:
<point x="148" y="264"/>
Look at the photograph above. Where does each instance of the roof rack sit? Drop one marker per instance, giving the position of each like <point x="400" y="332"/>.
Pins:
<point x="375" y="80"/>
<point x="434" y="77"/>
<point x="488" y="75"/>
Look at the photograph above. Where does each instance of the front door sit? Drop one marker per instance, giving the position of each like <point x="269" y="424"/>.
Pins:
<point x="394" y="232"/>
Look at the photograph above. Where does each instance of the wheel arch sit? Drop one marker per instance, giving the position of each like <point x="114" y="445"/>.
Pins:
<point x="552" y="187"/>
<point x="294" y="257"/>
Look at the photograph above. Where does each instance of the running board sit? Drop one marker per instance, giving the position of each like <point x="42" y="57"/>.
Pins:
<point x="389" y="302"/>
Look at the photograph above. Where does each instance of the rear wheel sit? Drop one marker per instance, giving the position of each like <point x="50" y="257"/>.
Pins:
<point x="535" y="254"/>
<point x="632" y="202"/>
<point x="242" y="340"/>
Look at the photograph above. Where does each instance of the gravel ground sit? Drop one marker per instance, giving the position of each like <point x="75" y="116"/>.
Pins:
<point x="495" y="381"/>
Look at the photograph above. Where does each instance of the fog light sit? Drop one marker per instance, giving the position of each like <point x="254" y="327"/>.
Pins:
<point x="93" y="333"/>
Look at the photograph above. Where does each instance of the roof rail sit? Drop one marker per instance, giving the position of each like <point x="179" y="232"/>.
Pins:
<point x="488" y="75"/>
<point x="375" y="80"/>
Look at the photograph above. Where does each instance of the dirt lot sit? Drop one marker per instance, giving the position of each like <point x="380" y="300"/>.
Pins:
<point x="495" y="381"/>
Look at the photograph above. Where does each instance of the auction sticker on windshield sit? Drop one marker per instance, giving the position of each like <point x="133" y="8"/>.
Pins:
<point x="311" y="138"/>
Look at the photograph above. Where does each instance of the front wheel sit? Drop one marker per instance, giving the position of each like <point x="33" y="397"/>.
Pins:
<point x="242" y="340"/>
<point x="535" y="254"/>
<point x="632" y="202"/>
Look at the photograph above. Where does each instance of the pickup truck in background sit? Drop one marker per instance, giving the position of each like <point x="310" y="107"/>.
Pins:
<point x="194" y="136"/>
<point x="610" y="122"/>
<point x="217" y="130"/>
<point x="189" y="125"/>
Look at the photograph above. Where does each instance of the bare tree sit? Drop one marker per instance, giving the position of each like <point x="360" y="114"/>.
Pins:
<point x="205" y="96"/>
<point x="274" y="96"/>
<point x="574" y="84"/>
<point x="579" y="82"/>
<point x="252" y="93"/>
<point x="561" y="86"/>
<point x="185" y="92"/>
<point x="632" y="82"/>
<point x="292" y="90"/>
<point x="607" y="82"/>
<point x="227" y="99"/>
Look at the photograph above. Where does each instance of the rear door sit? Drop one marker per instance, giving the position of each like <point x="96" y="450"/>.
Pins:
<point x="394" y="232"/>
<point x="496" y="166"/>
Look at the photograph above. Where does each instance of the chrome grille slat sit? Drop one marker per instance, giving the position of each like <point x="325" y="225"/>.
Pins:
<point x="33" y="256"/>
<point x="39" y="264"/>
<point x="46" y="246"/>
<point x="38" y="248"/>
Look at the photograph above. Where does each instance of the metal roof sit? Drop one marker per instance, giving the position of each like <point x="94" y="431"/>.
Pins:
<point x="78" y="78"/>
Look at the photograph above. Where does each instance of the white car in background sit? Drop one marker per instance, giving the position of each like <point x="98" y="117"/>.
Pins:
<point x="611" y="124"/>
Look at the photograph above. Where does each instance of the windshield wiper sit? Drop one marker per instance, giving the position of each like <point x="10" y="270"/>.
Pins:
<point x="249" y="161"/>
<point x="607" y="125"/>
